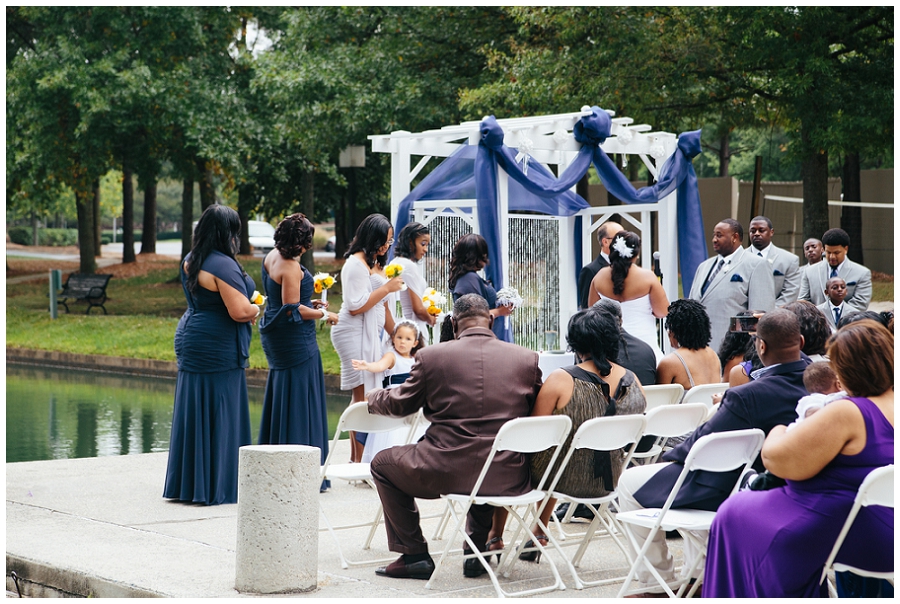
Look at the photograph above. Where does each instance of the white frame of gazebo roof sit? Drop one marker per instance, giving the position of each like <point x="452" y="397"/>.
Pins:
<point x="552" y="143"/>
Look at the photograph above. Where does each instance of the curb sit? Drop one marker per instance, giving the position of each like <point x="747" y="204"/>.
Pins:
<point x="129" y="366"/>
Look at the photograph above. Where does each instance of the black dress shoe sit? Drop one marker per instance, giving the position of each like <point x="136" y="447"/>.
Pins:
<point x="472" y="567"/>
<point x="582" y="511"/>
<point x="397" y="569"/>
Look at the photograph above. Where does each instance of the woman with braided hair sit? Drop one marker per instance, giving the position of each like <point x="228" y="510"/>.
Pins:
<point x="637" y="289"/>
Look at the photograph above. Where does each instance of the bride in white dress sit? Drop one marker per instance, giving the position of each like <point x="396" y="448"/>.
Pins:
<point x="637" y="289"/>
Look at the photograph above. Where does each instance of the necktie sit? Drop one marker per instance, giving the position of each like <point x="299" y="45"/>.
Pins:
<point x="712" y="276"/>
<point x="833" y="272"/>
<point x="837" y="315"/>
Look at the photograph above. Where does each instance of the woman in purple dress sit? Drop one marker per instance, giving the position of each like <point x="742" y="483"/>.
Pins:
<point x="774" y="543"/>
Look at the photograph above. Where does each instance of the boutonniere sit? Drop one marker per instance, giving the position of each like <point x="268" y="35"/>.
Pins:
<point x="736" y="278"/>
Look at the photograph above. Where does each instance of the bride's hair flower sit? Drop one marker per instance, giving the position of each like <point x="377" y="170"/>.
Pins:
<point x="622" y="248"/>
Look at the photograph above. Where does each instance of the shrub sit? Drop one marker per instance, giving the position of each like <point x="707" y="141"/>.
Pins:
<point x="20" y="235"/>
<point x="58" y="237"/>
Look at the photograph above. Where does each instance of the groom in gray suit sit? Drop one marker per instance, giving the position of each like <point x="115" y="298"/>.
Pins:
<point x="785" y="265"/>
<point x="732" y="281"/>
<point x="857" y="277"/>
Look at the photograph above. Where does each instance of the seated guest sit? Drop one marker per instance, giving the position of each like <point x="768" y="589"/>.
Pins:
<point x="595" y="387"/>
<point x="769" y="400"/>
<point x="774" y="543"/>
<point x="692" y="362"/>
<point x="814" y="329"/>
<point x="833" y="307"/>
<point x="468" y="388"/>
<point x="634" y="354"/>
<point x="884" y="318"/>
<point x="736" y="347"/>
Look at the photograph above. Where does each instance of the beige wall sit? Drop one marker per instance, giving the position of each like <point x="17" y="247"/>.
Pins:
<point x="720" y="197"/>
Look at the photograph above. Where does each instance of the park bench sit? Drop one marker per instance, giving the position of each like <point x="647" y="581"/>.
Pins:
<point x="91" y="288"/>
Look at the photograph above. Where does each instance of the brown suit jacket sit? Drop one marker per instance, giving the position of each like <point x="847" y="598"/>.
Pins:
<point x="469" y="388"/>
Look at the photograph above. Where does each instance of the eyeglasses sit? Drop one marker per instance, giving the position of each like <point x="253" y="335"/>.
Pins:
<point x="390" y="242"/>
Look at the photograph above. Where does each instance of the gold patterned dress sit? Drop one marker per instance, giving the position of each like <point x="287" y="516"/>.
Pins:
<point x="591" y="473"/>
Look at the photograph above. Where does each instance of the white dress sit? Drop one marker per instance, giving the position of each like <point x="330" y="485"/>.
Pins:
<point x="638" y="320"/>
<point x="416" y="286"/>
<point x="383" y="440"/>
<point x="358" y="337"/>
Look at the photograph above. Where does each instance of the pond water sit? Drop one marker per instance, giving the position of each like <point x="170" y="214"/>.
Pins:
<point x="64" y="413"/>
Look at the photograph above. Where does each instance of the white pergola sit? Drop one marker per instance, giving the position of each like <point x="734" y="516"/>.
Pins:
<point x="549" y="140"/>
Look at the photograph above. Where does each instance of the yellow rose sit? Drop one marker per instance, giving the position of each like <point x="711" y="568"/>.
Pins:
<point x="317" y="287"/>
<point x="329" y="281"/>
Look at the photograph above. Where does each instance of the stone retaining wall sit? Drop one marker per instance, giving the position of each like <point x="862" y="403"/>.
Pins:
<point x="130" y="366"/>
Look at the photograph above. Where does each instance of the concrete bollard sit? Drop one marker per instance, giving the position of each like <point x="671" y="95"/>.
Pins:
<point x="278" y="519"/>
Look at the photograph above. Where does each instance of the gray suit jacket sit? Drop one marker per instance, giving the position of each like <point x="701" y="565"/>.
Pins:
<point x="468" y="388"/>
<point x="825" y="307"/>
<point x="744" y="284"/>
<point x="785" y="274"/>
<point x="857" y="277"/>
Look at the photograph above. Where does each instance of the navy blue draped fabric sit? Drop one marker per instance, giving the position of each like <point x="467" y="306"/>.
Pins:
<point x="540" y="191"/>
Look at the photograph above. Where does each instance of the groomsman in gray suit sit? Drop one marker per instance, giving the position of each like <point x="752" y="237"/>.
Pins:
<point x="785" y="265"/>
<point x="857" y="277"/>
<point x="732" y="281"/>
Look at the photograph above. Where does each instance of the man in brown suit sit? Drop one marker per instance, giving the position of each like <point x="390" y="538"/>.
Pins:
<point x="469" y="387"/>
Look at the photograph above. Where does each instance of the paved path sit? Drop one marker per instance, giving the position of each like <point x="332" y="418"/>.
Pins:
<point x="100" y="527"/>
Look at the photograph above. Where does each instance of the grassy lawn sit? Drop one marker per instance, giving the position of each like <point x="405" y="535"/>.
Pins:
<point x="145" y="303"/>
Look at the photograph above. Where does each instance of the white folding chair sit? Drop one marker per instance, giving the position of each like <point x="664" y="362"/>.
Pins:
<point x="658" y="395"/>
<point x="719" y="452"/>
<point x="523" y="435"/>
<point x="703" y="394"/>
<point x="667" y="421"/>
<point x="356" y="418"/>
<point x="876" y="489"/>
<point x="599" y="434"/>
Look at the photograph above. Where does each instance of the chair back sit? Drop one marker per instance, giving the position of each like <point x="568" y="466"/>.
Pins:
<point x="533" y="434"/>
<point x="357" y="418"/>
<point x="528" y="435"/>
<point x="604" y="434"/>
<point x="704" y="393"/>
<point x="725" y="451"/>
<point x="675" y="420"/>
<point x="876" y="489"/>
<point x="659" y="395"/>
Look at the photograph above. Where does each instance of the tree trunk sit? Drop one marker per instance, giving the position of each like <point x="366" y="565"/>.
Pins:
<point x="98" y="242"/>
<point x="814" y="172"/>
<point x="724" y="154"/>
<point x="244" y="202"/>
<point x="207" y="193"/>
<point x="34" y="228"/>
<point x="187" y="215"/>
<point x="148" y="235"/>
<point x="308" y="207"/>
<point x="127" y="215"/>
<point x="851" y="218"/>
<point x="84" y="202"/>
<point x="341" y="228"/>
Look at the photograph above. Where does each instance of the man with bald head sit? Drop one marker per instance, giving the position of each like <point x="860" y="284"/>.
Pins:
<point x="605" y="234"/>
<point x="468" y="388"/>
<point x="769" y="400"/>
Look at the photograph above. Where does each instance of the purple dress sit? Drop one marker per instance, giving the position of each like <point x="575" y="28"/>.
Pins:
<point x="774" y="543"/>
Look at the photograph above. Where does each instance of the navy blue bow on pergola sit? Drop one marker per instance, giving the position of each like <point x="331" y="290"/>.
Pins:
<point x="547" y="194"/>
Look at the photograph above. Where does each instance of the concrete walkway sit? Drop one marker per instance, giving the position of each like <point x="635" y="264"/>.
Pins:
<point x="99" y="527"/>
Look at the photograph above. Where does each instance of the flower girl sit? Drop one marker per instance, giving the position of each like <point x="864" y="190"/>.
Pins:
<point x="396" y="364"/>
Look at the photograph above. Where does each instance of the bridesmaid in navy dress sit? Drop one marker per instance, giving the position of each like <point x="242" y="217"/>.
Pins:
<point x="469" y="256"/>
<point x="294" y="407"/>
<point x="211" y="419"/>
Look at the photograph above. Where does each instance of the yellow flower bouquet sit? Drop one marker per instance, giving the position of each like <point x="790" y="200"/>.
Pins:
<point x="394" y="270"/>
<point x="433" y="301"/>
<point x="322" y="282"/>
<point x="257" y="298"/>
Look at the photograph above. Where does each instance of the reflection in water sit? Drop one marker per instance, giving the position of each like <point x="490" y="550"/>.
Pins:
<point x="62" y="413"/>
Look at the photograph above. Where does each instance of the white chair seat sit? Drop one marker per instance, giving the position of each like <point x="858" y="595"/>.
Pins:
<point x="349" y="471"/>
<point x="689" y="520"/>
<point x="498" y="501"/>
